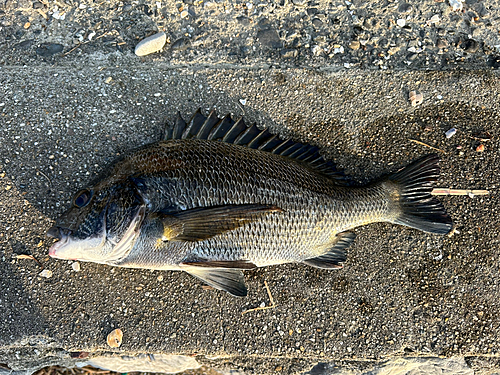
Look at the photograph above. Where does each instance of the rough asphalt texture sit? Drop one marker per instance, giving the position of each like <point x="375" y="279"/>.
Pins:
<point x="65" y="112"/>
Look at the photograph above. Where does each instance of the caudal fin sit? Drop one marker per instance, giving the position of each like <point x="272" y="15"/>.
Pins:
<point x="418" y="208"/>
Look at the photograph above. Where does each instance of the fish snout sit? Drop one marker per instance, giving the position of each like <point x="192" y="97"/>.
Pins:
<point x="62" y="235"/>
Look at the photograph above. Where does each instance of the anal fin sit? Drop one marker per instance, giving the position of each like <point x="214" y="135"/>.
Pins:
<point x="229" y="280"/>
<point x="335" y="254"/>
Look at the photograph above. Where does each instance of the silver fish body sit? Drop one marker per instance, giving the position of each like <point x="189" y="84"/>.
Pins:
<point x="212" y="208"/>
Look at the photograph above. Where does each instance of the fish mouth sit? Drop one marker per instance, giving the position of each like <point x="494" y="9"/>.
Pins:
<point x="62" y="235"/>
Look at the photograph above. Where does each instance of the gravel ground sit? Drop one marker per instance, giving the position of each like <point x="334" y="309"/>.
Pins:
<point x="313" y="34"/>
<point x="71" y="101"/>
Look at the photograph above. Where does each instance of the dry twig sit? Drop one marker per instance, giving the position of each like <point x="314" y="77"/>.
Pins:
<point x="426" y="145"/>
<point x="44" y="175"/>
<point x="24" y="256"/>
<point x="272" y="306"/>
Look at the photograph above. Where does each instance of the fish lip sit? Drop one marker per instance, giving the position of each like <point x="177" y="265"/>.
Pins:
<point x="62" y="235"/>
<point x="57" y="245"/>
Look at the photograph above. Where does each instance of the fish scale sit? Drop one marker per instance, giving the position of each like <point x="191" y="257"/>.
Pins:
<point x="219" y="197"/>
<point x="267" y="179"/>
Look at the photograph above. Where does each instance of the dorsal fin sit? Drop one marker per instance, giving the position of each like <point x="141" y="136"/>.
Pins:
<point x="237" y="132"/>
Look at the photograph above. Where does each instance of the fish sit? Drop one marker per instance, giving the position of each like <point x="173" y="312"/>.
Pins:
<point x="216" y="197"/>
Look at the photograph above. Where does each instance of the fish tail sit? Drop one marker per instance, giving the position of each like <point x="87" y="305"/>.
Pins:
<point x="417" y="207"/>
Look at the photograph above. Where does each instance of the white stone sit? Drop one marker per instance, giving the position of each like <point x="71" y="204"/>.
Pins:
<point x="450" y="133"/>
<point x="151" y="44"/>
<point x="46" y="273"/>
<point x="435" y="19"/>
<point x="401" y="22"/>
<point x="457" y="5"/>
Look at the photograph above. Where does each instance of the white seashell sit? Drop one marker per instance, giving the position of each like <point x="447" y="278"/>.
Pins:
<point x="416" y="98"/>
<point x="115" y="338"/>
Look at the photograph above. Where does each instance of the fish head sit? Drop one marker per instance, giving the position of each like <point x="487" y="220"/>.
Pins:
<point x="101" y="225"/>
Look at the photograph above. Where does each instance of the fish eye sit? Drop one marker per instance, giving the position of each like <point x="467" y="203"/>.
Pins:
<point x="82" y="198"/>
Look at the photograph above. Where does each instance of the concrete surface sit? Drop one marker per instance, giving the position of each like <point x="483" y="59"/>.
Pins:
<point x="402" y="293"/>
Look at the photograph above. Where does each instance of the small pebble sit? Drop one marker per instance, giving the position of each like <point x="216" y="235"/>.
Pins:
<point x="450" y="133"/>
<point x="184" y="14"/>
<point x="442" y="43"/>
<point x="181" y="44"/>
<point x="405" y="8"/>
<point x="75" y="266"/>
<point x="49" y="49"/>
<point x="114" y="339"/>
<point x="27" y="25"/>
<point x="243" y="101"/>
<point x="288" y="53"/>
<point x="337" y="48"/>
<point x="354" y="45"/>
<point x="8" y="187"/>
<point x="401" y="22"/>
<point x="434" y="19"/>
<point x="416" y="98"/>
<point x="160" y="278"/>
<point x="316" y="50"/>
<point x="480" y="148"/>
<point x="439" y="97"/>
<point x="46" y="273"/>
<point x="108" y="80"/>
<point x="151" y="44"/>
<point x="457" y="5"/>
<point x="470" y="46"/>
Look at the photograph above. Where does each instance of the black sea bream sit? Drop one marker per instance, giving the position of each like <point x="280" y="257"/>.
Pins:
<point x="217" y="197"/>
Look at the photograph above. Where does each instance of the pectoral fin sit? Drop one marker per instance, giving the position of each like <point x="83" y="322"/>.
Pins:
<point x="202" y="223"/>
<point x="335" y="254"/>
<point x="230" y="280"/>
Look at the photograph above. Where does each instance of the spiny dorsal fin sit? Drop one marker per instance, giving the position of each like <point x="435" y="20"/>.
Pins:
<point x="237" y="132"/>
